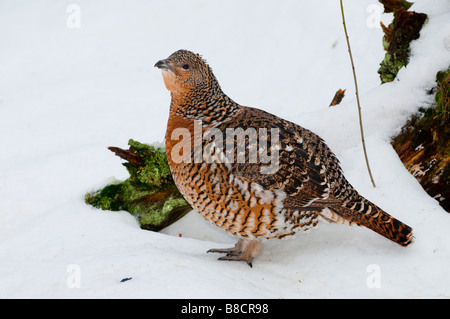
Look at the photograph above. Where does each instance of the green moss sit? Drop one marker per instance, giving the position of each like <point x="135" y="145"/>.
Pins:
<point x="149" y="193"/>
<point x="162" y="216"/>
<point x="155" y="171"/>
<point x="397" y="37"/>
<point x="106" y="198"/>
<point x="390" y="66"/>
<point x="442" y="96"/>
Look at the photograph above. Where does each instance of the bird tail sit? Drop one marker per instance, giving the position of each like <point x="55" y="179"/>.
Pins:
<point x="365" y="213"/>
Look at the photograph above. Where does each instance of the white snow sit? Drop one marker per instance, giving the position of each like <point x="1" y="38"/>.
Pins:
<point x="68" y="93"/>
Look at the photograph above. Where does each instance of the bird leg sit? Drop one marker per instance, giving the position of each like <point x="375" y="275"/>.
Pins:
<point x="244" y="249"/>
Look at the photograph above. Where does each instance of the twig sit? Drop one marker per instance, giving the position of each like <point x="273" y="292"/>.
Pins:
<point x="357" y="96"/>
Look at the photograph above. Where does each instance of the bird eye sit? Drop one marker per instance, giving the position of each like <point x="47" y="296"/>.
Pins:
<point x="186" y="66"/>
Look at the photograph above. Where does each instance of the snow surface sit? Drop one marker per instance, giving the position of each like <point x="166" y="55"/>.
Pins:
<point x="68" y="93"/>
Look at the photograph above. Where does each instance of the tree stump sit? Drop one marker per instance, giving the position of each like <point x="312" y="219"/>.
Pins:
<point x="424" y="144"/>
<point x="149" y="193"/>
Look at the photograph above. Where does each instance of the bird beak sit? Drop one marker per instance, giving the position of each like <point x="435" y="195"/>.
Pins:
<point x="163" y="65"/>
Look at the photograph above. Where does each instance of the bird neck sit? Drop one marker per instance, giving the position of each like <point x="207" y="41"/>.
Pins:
<point x="208" y="104"/>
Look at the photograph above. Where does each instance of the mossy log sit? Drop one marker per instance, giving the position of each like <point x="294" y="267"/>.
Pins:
<point x="398" y="35"/>
<point x="424" y="144"/>
<point x="149" y="193"/>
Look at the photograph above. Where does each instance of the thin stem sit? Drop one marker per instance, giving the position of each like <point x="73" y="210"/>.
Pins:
<point x="357" y="96"/>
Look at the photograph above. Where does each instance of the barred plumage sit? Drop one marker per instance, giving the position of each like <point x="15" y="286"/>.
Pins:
<point x="282" y="178"/>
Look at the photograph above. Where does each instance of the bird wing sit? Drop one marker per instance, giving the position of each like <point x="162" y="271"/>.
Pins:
<point x="290" y="158"/>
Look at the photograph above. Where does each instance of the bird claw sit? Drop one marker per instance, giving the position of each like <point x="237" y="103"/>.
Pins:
<point x="229" y="251"/>
<point x="238" y="258"/>
<point x="244" y="250"/>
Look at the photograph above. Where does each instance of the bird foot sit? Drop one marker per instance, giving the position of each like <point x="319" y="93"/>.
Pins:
<point x="244" y="250"/>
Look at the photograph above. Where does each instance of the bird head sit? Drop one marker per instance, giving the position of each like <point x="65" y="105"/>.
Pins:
<point x="184" y="71"/>
<point x="194" y="89"/>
